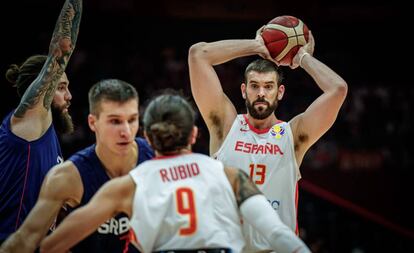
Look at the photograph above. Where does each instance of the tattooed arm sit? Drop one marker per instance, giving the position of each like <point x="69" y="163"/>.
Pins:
<point x="33" y="116"/>
<point x="242" y="186"/>
<point x="256" y="210"/>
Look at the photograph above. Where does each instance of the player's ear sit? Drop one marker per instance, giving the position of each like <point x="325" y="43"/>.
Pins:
<point x="92" y="121"/>
<point x="193" y="135"/>
<point x="280" y="92"/>
<point x="243" y="90"/>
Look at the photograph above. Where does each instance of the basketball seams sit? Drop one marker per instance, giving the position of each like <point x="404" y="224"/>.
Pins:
<point x="300" y="33"/>
<point x="290" y="45"/>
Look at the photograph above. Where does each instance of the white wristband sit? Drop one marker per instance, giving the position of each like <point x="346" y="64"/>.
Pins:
<point x="301" y="58"/>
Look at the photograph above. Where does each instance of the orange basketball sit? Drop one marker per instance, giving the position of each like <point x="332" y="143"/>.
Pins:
<point x="283" y="36"/>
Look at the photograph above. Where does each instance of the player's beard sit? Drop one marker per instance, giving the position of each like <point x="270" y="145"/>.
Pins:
<point x="62" y="121"/>
<point x="260" y="113"/>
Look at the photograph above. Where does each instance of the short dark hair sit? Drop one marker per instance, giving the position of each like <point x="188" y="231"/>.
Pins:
<point x="263" y="66"/>
<point x="168" y="122"/>
<point x="22" y="76"/>
<point x="112" y="90"/>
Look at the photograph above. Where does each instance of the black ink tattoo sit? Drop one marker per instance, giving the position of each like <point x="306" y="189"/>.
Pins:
<point x="245" y="188"/>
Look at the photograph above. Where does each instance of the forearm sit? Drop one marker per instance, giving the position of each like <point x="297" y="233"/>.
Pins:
<point x="21" y="242"/>
<point x="225" y="50"/>
<point x="61" y="47"/>
<point x="325" y="77"/>
<point x="61" y="184"/>
<point x="66" y="32"/>
<point x="83" y="221"/>
<point x="257" y="212"/>
<point x="64" y="237"/>
<point x="27" y="238"/>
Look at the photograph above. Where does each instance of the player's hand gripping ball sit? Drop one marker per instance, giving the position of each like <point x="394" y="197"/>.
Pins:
<point x="283" y="36"/>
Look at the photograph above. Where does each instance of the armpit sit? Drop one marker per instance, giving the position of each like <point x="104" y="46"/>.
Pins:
<point x="302" y="138"/>
<point x="217" y="124"/>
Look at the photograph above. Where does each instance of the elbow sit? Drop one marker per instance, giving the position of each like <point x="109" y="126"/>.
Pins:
<point x="341" y="89"/>
<point x="197" y="51"/>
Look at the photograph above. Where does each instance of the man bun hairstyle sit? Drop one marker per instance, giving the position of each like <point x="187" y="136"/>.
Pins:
<point x="22" y="76"/>
<point x="168" y="122"/>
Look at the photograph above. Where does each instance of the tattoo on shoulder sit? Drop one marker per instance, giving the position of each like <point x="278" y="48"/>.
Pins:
<point x="246" y="188"/>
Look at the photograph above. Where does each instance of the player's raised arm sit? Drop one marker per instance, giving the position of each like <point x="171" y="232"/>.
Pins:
<point x="36" y="101"/>
<point x="319" y="117"/>
<point x="216" y="109"/>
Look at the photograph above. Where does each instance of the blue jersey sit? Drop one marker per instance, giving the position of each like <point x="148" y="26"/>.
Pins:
<point x="112" y="236"/>
<point x="23" y="166"/>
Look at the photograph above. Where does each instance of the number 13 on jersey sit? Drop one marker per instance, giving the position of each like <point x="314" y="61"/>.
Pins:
<point x="257" y="173"/>
<point x="185" y="201"/>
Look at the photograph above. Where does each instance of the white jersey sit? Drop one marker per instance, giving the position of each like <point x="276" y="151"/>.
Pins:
<point x="268" y="157"/>
<point x="185" y="202"/>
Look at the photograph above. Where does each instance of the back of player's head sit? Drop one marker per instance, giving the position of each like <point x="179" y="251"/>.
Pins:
<point x="263" y="66"/>
<point x="113" y="90"/>
<point x="168" y="122"/>
<point x="22" y="76"/>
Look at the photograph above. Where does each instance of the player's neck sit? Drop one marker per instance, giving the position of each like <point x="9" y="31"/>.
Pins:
<point x="183" y="151"/>
<point x="262" y="123"/>
<point x="117" y="165"/>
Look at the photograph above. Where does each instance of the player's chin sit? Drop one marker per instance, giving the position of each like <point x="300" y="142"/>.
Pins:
<point x="261" y="108"/>
<point x="261" y="114"/>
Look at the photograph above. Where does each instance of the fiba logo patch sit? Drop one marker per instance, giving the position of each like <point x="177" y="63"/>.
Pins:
<point x="277" y="131"/>
<point x="244" y="127"/>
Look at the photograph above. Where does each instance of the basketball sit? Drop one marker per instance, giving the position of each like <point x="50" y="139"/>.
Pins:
<point x="283" y="36"/>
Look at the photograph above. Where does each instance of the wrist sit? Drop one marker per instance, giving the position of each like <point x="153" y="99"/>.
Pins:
<point x="301" y="58"/>
<point x="259" y="46"/>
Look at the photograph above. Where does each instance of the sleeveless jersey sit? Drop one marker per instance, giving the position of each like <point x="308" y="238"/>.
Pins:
<point x="268" y="157"/>
<point x="113" y="235"/>
<point x="23" y="166"/>
<point x="185" y="202"/>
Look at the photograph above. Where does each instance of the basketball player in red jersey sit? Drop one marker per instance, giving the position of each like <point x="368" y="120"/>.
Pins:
<point x="269" y="150"/>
